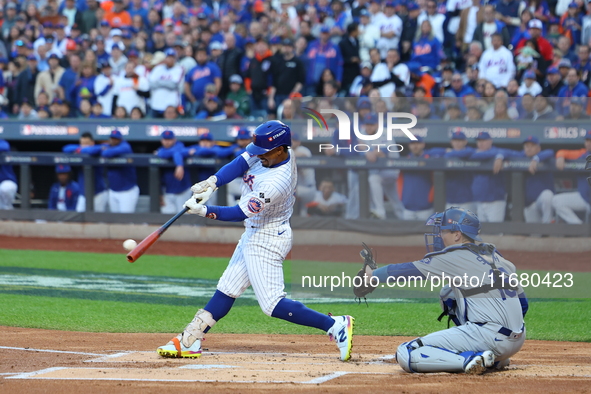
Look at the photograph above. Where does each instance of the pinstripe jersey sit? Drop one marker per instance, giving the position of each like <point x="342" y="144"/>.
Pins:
<point x="268" y="194"/>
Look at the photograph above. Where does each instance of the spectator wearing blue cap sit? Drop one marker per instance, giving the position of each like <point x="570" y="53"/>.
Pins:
<point x="320" y="55"/>
<point x="409" y="29"/>
<point x="203" y="74"/>
<point x="100" y="50"/>
<point x="416" y="187"/>
<point x="63" y="195"/>
<point x="25" y="82"/>
<point x="123" y="189"/>
<point x="48" y="81"/>
<point x="529" y="84"/>
<point x="166" y="84"/>
<point x="488" y="187"/>
<point x="8" y="185"/>
<point x="539" y="186"/>
<point x="568" y="204"/>
<point x="553" y="84"/>
<point x="176" y="182"/>
<point x="117" y="59"/>
<point x="103" y="88"/>
<point x="130" y="90"/>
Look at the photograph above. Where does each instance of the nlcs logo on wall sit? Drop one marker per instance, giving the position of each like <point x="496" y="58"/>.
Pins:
<point x="374" y="135"/>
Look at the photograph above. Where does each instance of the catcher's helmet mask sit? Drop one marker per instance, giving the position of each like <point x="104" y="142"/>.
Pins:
<point x="453" y="219"/>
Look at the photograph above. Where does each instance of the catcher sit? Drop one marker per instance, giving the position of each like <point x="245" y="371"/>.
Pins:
<point x="489" y="317"/>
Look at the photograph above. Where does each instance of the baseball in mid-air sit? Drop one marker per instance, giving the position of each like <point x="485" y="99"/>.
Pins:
<point x="129" y="245"/>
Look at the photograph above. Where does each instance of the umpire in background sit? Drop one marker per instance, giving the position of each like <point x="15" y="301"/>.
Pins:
<point x="350" y="50"/>
<point x="288" y="73"/>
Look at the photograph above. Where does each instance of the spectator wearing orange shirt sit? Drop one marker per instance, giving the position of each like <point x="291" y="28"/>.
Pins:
<point x="116" y="14"/>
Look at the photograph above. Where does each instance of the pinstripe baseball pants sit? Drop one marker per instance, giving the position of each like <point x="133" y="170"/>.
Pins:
<point x="258" y="261"/>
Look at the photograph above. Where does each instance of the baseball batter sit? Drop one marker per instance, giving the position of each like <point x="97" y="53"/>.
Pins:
<point x="269" y="174"/>
<point x="488" y="315"/>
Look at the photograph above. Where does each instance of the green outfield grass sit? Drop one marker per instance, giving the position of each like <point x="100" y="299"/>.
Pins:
<point x="38" y="289"/>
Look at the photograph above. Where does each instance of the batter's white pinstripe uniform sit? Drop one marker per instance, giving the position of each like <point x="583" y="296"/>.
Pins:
<point x="268" y="196"/>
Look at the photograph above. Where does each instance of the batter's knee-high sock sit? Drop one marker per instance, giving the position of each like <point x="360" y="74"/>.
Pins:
<point x="219" y="305"/>
<point x="298" y="313"/>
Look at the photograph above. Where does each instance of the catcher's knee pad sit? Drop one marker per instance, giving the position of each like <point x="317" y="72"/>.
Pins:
<point x="414" y="357"/>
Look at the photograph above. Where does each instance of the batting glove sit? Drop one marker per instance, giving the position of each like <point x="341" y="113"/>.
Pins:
<point x="203" y="190"/>
<point x="195" y="207"/>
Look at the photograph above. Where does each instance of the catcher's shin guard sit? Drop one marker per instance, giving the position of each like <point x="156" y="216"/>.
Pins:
<point x="414" y="357"/>
<point x="188" y="343"/>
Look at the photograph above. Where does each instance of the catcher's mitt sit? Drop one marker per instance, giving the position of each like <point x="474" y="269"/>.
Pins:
<point x="363" y="286"/>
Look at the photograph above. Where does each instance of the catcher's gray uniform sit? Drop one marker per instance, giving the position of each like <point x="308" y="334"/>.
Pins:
<point x="488" y="314"/>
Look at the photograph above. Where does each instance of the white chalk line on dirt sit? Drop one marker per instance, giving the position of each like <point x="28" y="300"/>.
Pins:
<point x="28" y="349"/>
<point x="35" y="375"/>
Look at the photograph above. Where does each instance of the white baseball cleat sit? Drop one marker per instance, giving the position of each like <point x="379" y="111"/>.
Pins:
<point x="342" y="333"/>
<point x="480" y="363"/>
<point x="176" y="349"/>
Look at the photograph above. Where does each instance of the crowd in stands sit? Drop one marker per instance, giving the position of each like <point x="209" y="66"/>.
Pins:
<point x="242" y="59"/>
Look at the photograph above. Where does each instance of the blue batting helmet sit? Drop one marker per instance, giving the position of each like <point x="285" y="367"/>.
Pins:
<point x="269" y="136"/>
<point x="453" y="219"/>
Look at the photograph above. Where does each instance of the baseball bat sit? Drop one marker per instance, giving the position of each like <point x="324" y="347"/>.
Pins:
<point x="141" y="248"/>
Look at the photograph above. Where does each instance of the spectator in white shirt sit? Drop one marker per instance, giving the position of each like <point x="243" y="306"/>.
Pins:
<point x="166" y="84"/>
<point x="130" y="90"/>
<point x="529" y="85"/>
<point x="496" y="64"/>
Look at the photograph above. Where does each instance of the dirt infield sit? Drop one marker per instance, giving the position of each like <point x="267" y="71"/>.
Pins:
<point x="72" y="362"/>
<point x="47" y="361"/>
